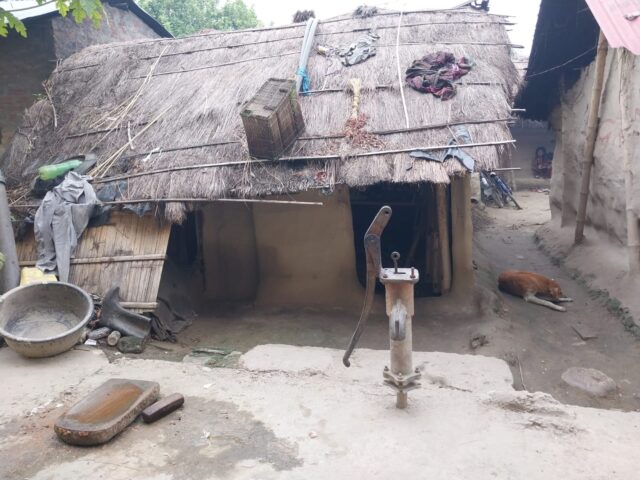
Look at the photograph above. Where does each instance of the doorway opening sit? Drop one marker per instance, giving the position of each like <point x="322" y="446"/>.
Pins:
<point x="413" y="231"/>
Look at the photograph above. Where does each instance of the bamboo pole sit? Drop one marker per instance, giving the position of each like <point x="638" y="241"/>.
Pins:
<point x="443" y="235"/>
<point x="592" y="133"/>
<point x="134" y="201"/>
<point x="462" y="277"/>
<point x="154" y="257"/>
<point x="400" y="79"/>
<point x="390" y="87"/>
<point x="295" y="159"/>
<point x="311" y="137"/>
<point x="633" y="235"/>
<point x="226" y="64"/>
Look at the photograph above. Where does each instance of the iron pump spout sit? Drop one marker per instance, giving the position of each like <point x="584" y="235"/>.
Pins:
<point x="399" y="285"/>
<point x="10" y="273"/>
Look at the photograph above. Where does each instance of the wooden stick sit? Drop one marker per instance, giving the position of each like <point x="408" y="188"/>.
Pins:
<point x="129" y="136"/>
<point x="400" y="80"/>
<point x="381" y="87"/>
<point x="433" y="126"/>
<point x="80" y="67"/>
<point x="318" y="137"/>
<point x="335" y="90"/>
<point x="286" y="27"/>
<point x="592" y="133"/>
<point x="443" y="235"/>
<point x="55" y="117"/>
<point x="175" y="149"/>
<point x="106" y="165"/>
<point x="296" y="37"/>
<point x="127" y="105"/>
<point x="399" y="150"/>
<point x="115" y="259"/>
<point x="135" y="201"/>
<point x="172" y="72"/>
<point x="437" y="42"/>
<point x="103" y="130"/>
<point x="319" y="157"/>
<point x="209" y="200"/>
<point x="225" y="47"/>
<point x="335" y="20"/>
<point x="524" y="387"/>
<point x="206" y="67"/>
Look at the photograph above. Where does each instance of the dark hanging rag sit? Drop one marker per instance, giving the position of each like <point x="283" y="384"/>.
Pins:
<point x="359" y="51"/>
<point x="460" y="136"/>
<point x="435" y="73"/>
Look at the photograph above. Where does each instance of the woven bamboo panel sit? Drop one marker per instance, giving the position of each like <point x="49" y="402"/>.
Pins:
<point x="128" y="252"/>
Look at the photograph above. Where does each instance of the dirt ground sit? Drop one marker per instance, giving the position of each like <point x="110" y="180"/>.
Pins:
<point x="295" y="413"/>
<point x="539" y="344"/>
<point x="546" y="341"/>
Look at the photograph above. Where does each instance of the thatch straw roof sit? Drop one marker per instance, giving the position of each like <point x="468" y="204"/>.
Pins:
<point x="167" y="95"/>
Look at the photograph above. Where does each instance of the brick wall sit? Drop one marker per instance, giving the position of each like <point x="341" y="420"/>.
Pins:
<point x="25" y="64"/>
<point x="118" y="25"/>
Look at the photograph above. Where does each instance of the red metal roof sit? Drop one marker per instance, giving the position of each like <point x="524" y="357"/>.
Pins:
<point x="619" y="21"/>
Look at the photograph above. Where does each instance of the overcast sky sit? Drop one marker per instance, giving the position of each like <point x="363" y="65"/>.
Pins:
<point x="278" y="12"/>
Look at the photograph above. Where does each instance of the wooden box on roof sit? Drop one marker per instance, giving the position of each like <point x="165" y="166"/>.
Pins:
<point x="272" y="119"/>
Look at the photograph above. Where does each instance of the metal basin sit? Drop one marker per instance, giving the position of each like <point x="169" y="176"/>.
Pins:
<point x="44" y="319"/>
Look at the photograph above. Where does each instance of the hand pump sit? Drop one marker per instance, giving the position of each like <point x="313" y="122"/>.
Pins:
<point x="399" y="284"/>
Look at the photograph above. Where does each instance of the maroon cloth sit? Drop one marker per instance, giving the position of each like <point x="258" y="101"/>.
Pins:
<point x="435" y="73"/>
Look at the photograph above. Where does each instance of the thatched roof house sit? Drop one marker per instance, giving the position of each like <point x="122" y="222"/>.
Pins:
<point x="172" y="106"/>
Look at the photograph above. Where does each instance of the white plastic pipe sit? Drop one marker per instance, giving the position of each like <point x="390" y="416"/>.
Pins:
<point x="307" y="44"/>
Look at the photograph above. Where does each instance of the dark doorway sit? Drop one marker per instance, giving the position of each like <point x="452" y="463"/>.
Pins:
<point x="412" y="230"/>
<point x="183" y="248"/>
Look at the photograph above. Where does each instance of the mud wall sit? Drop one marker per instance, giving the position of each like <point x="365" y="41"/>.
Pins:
<point x="27" y="62"/>
<point x="606" y="205"/>
<point x="282" y="255"/>
<point x="229" y="254"/>
<point x="298" y="256"/>
<point x="306" y="253"/>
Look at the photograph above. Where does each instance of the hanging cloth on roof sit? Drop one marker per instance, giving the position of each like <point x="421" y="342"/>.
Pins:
<point x="360" y="50"/>
<point x="460" y="136"/>
<point x="435" y="73"/>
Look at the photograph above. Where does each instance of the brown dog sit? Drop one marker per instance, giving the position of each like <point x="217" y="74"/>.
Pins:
<point x="533" y="288"/>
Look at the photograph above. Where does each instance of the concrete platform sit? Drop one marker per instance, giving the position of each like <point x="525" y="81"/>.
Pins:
<point x="296" y="413"/>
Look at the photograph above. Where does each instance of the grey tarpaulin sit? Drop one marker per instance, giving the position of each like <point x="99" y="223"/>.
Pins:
<point x="460" y="137"/>
<point x="363" y="48"/>
<point x="59" y="222"/>
<point x="113" y="191"/>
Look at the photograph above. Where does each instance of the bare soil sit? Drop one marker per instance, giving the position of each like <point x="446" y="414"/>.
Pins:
<point x="546" y="342"/>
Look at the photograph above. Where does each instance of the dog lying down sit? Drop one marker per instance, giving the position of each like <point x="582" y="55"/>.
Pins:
<point x="533" y="288"/>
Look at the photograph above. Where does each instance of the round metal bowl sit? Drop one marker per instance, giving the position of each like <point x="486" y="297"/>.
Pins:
<point x="44" y="319"/>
